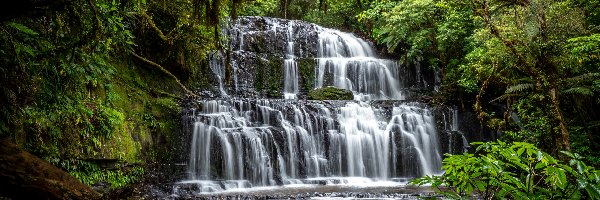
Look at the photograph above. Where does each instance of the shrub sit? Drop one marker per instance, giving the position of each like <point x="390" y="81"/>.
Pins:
<point x="519" y="170"/>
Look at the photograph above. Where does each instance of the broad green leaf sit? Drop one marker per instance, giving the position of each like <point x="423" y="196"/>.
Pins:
<point x="22" y="28"/>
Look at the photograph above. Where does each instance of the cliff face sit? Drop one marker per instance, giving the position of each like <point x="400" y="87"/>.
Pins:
<point x="254" y="62"/>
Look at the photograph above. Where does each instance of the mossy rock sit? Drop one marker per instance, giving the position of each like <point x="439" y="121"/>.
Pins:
<point x="307" y="73"/>
<point x="269" y="77"/>
<point x="330" y="93"/>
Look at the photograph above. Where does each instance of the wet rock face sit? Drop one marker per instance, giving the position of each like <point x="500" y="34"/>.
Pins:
<point x="256" y="62"/>
<point x="259" y="47"/>
<point x="260" y="35"/>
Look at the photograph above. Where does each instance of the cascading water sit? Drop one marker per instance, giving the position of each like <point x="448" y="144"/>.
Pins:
<point x="454" y="130"/>
<point x="217" y="66"/>
<point x="244" y="143"/>
<point x="248" y="143"/>
<point x="290" y="85"/>
<point x="351" y="62"/>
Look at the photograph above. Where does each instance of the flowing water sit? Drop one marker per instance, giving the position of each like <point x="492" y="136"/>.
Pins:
<point x="353" y="65"/>
<point x="377" y="139"/>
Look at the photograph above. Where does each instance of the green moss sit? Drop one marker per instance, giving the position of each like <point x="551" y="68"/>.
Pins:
<point x="257" y="44"/>
<point x="269" y="77"/>
<point x="330" y="93"/>
<point x="307" y="72"/>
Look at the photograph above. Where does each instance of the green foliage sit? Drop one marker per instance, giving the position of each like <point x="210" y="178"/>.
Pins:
<point x="330" y="93"/>
<point x="259" y="8"/>
<point x="519" y="88"/>
<point x="70" y="93"/>
<point x="516" y="170"/>
<point x="338" y="14"/>
<point x="306" y="68"/>
<point x="269" y="77"/>
<point x="22" y="28"/>
<point x="585" y="50"/>
<point x="410" y="22"/>
<point x="518" y="53"/>
<point x="90" y="173"/>
<point x="420" y="29"/>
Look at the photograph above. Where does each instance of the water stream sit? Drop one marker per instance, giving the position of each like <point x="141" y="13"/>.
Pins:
<point x="377" y="139"/>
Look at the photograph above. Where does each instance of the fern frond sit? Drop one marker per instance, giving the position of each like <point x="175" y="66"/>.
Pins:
<point x="503" y="97"/>
<point x="519" y="88"/>
<point x="579" y="91"/>
<point x="583" y="78"/>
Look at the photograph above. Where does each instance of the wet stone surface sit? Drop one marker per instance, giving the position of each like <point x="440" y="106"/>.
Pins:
<point x="322" y="192"/>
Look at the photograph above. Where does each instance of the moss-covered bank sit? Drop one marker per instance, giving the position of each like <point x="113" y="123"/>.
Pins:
<point x="330" y="93"/>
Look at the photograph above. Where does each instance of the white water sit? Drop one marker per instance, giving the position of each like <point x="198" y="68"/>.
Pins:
<point x="236" y="144"/>
<point x="353" y="66"/>
<point x="290" y="84"/>
<point x="217" y="66"/>
<point x="258" y="143"/>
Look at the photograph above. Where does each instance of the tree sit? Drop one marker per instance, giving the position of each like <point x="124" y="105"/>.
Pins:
<point x="533" y="35"/>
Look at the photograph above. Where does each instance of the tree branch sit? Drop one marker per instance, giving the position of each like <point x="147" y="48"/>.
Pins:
<point x="484" y="12"/>
<point x="167" y="38"/>
<point x="164" y="71"/>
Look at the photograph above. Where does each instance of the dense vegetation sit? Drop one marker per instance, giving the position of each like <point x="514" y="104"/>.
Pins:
<point x="99" y="79"/>
<point x="89" y="82"/>
<point x="516" y="171"/>
<point x="535" y="59"/>
<point x="537" y="62"/>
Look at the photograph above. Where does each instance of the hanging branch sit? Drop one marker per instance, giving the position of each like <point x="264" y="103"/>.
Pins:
<point x="164" y="71"/>
<point x="99" y="28"/>
<point x="167" y="38"/>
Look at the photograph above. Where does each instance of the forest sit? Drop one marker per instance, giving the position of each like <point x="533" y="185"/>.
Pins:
<point x="87" y="84"/>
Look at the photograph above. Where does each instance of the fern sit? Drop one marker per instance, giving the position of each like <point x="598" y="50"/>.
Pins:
<point x="583" y="78"/>
<point x="503" y="97"/>
<point x="22" y="28"/>
<point x="519" y="88"/>
<point x="585" y="91"/>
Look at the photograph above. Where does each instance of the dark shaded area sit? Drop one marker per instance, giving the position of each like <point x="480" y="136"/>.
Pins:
<point x="25" y="176"/>
<point x="12" y="9"/>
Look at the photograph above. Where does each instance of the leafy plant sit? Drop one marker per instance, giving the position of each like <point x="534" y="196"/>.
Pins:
<point x="517" y="170"/>
<point x="90" y="173"/>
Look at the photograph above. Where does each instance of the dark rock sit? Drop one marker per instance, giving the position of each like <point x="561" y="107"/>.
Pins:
<point x="25" y="176"/>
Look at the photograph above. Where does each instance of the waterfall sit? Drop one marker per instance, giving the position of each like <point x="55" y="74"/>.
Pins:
<point x="263" y="142"/>
<point x="290" y="87"/>
<point x="454" y="131"/>
<point x="241" y="143"/>
<point x="353" y="65"/>
<point x="217" y="66"/>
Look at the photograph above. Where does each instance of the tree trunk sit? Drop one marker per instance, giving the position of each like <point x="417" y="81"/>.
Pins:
<point x="322" y="5"/>
<point x="563" y="141"/>
<point x="285" y="6"/>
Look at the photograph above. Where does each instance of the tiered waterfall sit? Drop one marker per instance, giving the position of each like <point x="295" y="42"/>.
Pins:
<point x="246" y="141"/>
